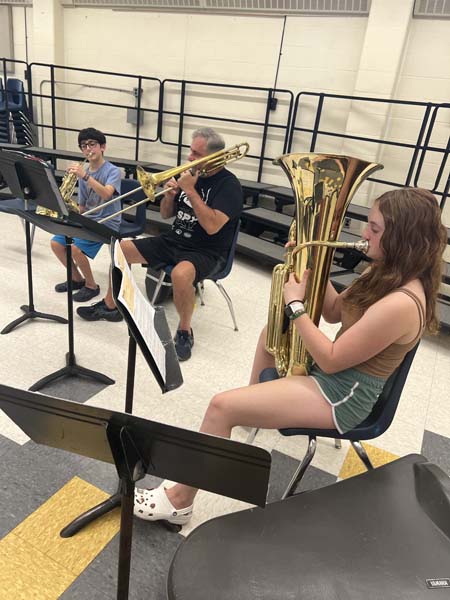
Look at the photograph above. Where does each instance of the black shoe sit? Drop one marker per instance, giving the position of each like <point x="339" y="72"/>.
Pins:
<point x="86" y="294"/>
<point x="99" y="312"/>
<point x="183" y="344"/>
<point x="62" y="287"/>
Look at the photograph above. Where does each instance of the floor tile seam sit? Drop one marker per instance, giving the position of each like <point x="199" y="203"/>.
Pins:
<point x="47" y="554"/>
<point x="38" y="550"/>
<point x="433" y="429"/>
<point x="412" y="421"/>
<point x="430" y="394"/>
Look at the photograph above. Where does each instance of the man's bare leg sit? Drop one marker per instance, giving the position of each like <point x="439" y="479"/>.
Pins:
<point x="183" y="276"/>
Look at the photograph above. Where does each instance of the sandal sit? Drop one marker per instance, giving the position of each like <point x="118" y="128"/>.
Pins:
<point x="154" y="505"/>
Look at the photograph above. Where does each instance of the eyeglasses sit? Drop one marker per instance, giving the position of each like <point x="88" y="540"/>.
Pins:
<point x="88" y="144"/>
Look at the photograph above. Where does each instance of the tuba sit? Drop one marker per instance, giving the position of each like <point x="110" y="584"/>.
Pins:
<point x="323" y="186"/>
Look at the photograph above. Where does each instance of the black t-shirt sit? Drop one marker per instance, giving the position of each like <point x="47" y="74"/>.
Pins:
<point x="221" y="191"/>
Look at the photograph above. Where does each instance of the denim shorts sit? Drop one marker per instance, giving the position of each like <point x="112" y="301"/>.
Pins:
<point x="351" y="394"/>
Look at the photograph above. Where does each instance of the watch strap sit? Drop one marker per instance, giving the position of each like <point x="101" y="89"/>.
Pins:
<point x="297" y="314"/>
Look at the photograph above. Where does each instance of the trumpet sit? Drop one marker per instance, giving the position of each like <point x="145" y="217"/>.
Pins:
<point x="149" y="181"/>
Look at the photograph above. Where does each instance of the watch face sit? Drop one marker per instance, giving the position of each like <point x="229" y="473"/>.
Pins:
<point x="292" y="308"/>
<point x="295" y="306"/>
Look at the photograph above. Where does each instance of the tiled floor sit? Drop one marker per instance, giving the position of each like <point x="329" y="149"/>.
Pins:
<point x="41" y="488"/>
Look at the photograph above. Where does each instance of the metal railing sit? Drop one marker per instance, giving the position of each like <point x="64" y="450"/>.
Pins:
<point x="136" y="85"/>
<point x="275" y="121"/>
<point x="259" y="105"/>
<point x="425" y="125"/>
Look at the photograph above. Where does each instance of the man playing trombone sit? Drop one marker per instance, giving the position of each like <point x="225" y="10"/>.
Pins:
<point x="206" y="209"/>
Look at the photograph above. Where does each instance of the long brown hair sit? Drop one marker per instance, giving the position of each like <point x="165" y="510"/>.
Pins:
<point x="413" y="242"/>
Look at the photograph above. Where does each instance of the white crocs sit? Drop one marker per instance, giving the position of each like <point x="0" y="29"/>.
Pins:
<point x="154" y="505"/>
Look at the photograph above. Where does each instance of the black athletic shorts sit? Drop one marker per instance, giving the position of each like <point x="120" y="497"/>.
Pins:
<point x="160" y="251"/>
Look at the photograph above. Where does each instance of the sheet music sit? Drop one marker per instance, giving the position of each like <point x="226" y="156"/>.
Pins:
<point x="140" y="309"/>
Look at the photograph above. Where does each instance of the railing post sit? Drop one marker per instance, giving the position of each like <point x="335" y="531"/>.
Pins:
<point x="180" y="129"/>
<point x="53" y="104"/>
<point x="138" y="115"/>
<point x="418" y="145"/>
<point x="316" y="123"/>
<point x="264" y="135"/>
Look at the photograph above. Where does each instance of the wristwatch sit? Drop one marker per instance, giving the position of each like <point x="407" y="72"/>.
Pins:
<point x="294" y="310"/>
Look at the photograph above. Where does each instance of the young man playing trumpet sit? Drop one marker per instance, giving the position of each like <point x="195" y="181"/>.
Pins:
<point x="96" y="184"/>
<point x="207" y="208"/>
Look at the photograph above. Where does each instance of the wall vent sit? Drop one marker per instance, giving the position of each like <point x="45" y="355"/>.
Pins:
<point x="17" y="2"/>
<point x="435" y="9"/>
<point x="268" y="7"/>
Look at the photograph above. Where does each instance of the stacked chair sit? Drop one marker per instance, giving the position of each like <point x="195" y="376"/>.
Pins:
<point x="4" y="116"/>
<point x="20" y="114"/>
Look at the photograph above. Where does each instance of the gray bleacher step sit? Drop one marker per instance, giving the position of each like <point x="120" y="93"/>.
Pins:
<point x="269" y="218"/>
<point x="261" y="250"/>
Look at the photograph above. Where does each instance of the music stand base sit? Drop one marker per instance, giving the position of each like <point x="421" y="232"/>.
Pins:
<point x="71" y="370"/>
<point x="90" y="515"/>
<point x="31" y="314"/>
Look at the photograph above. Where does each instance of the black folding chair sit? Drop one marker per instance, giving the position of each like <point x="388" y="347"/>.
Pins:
<point x="164" y="279"/>
<point x="373" y="426"/>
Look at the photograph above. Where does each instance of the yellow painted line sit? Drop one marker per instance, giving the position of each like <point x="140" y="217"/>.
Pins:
<point x="36" y="562"/>
<point x="353" y="466"/>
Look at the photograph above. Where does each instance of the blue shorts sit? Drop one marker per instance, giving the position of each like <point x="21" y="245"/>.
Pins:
<point x="86" y="246"/>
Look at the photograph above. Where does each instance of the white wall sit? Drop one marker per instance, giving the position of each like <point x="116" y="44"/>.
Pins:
<point x="388" y="54"/>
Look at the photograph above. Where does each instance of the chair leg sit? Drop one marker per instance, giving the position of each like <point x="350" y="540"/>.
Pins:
<point x="200" y="292"/>
<point x="290" y="490"/>
<point x="158" y="285"/>
<point x="362" y="454"/>
<point x="251" y="436"/>
<point x="338" y="443"/>
<point x="32" y="231"/>
<point x="228" y="301"/>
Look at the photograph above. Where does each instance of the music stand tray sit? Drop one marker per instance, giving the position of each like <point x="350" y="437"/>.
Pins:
<point x="137" y="446"/>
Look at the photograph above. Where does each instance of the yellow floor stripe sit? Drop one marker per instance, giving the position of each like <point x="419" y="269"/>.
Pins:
<point x="38" y="563"/>
<point x="353" y="466"/>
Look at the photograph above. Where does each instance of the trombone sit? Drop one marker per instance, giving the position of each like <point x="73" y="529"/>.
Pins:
<point x="149" y="181"/>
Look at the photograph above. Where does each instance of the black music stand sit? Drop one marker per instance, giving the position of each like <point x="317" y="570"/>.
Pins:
<point x="170" y="379"/>
<point x="38" y="182"/>
<point x="137" y="446"/>
<point x="8" y="172"/>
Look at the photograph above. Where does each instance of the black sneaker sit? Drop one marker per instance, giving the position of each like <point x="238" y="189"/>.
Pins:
<point x="99" y="312"/>
<point x="183" y="344"/>
<point x="86" y="294"/>
<point x="62" y="287"/>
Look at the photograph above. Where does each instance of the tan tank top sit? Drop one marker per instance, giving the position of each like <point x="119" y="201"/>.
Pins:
<point x="384" y="363"/>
